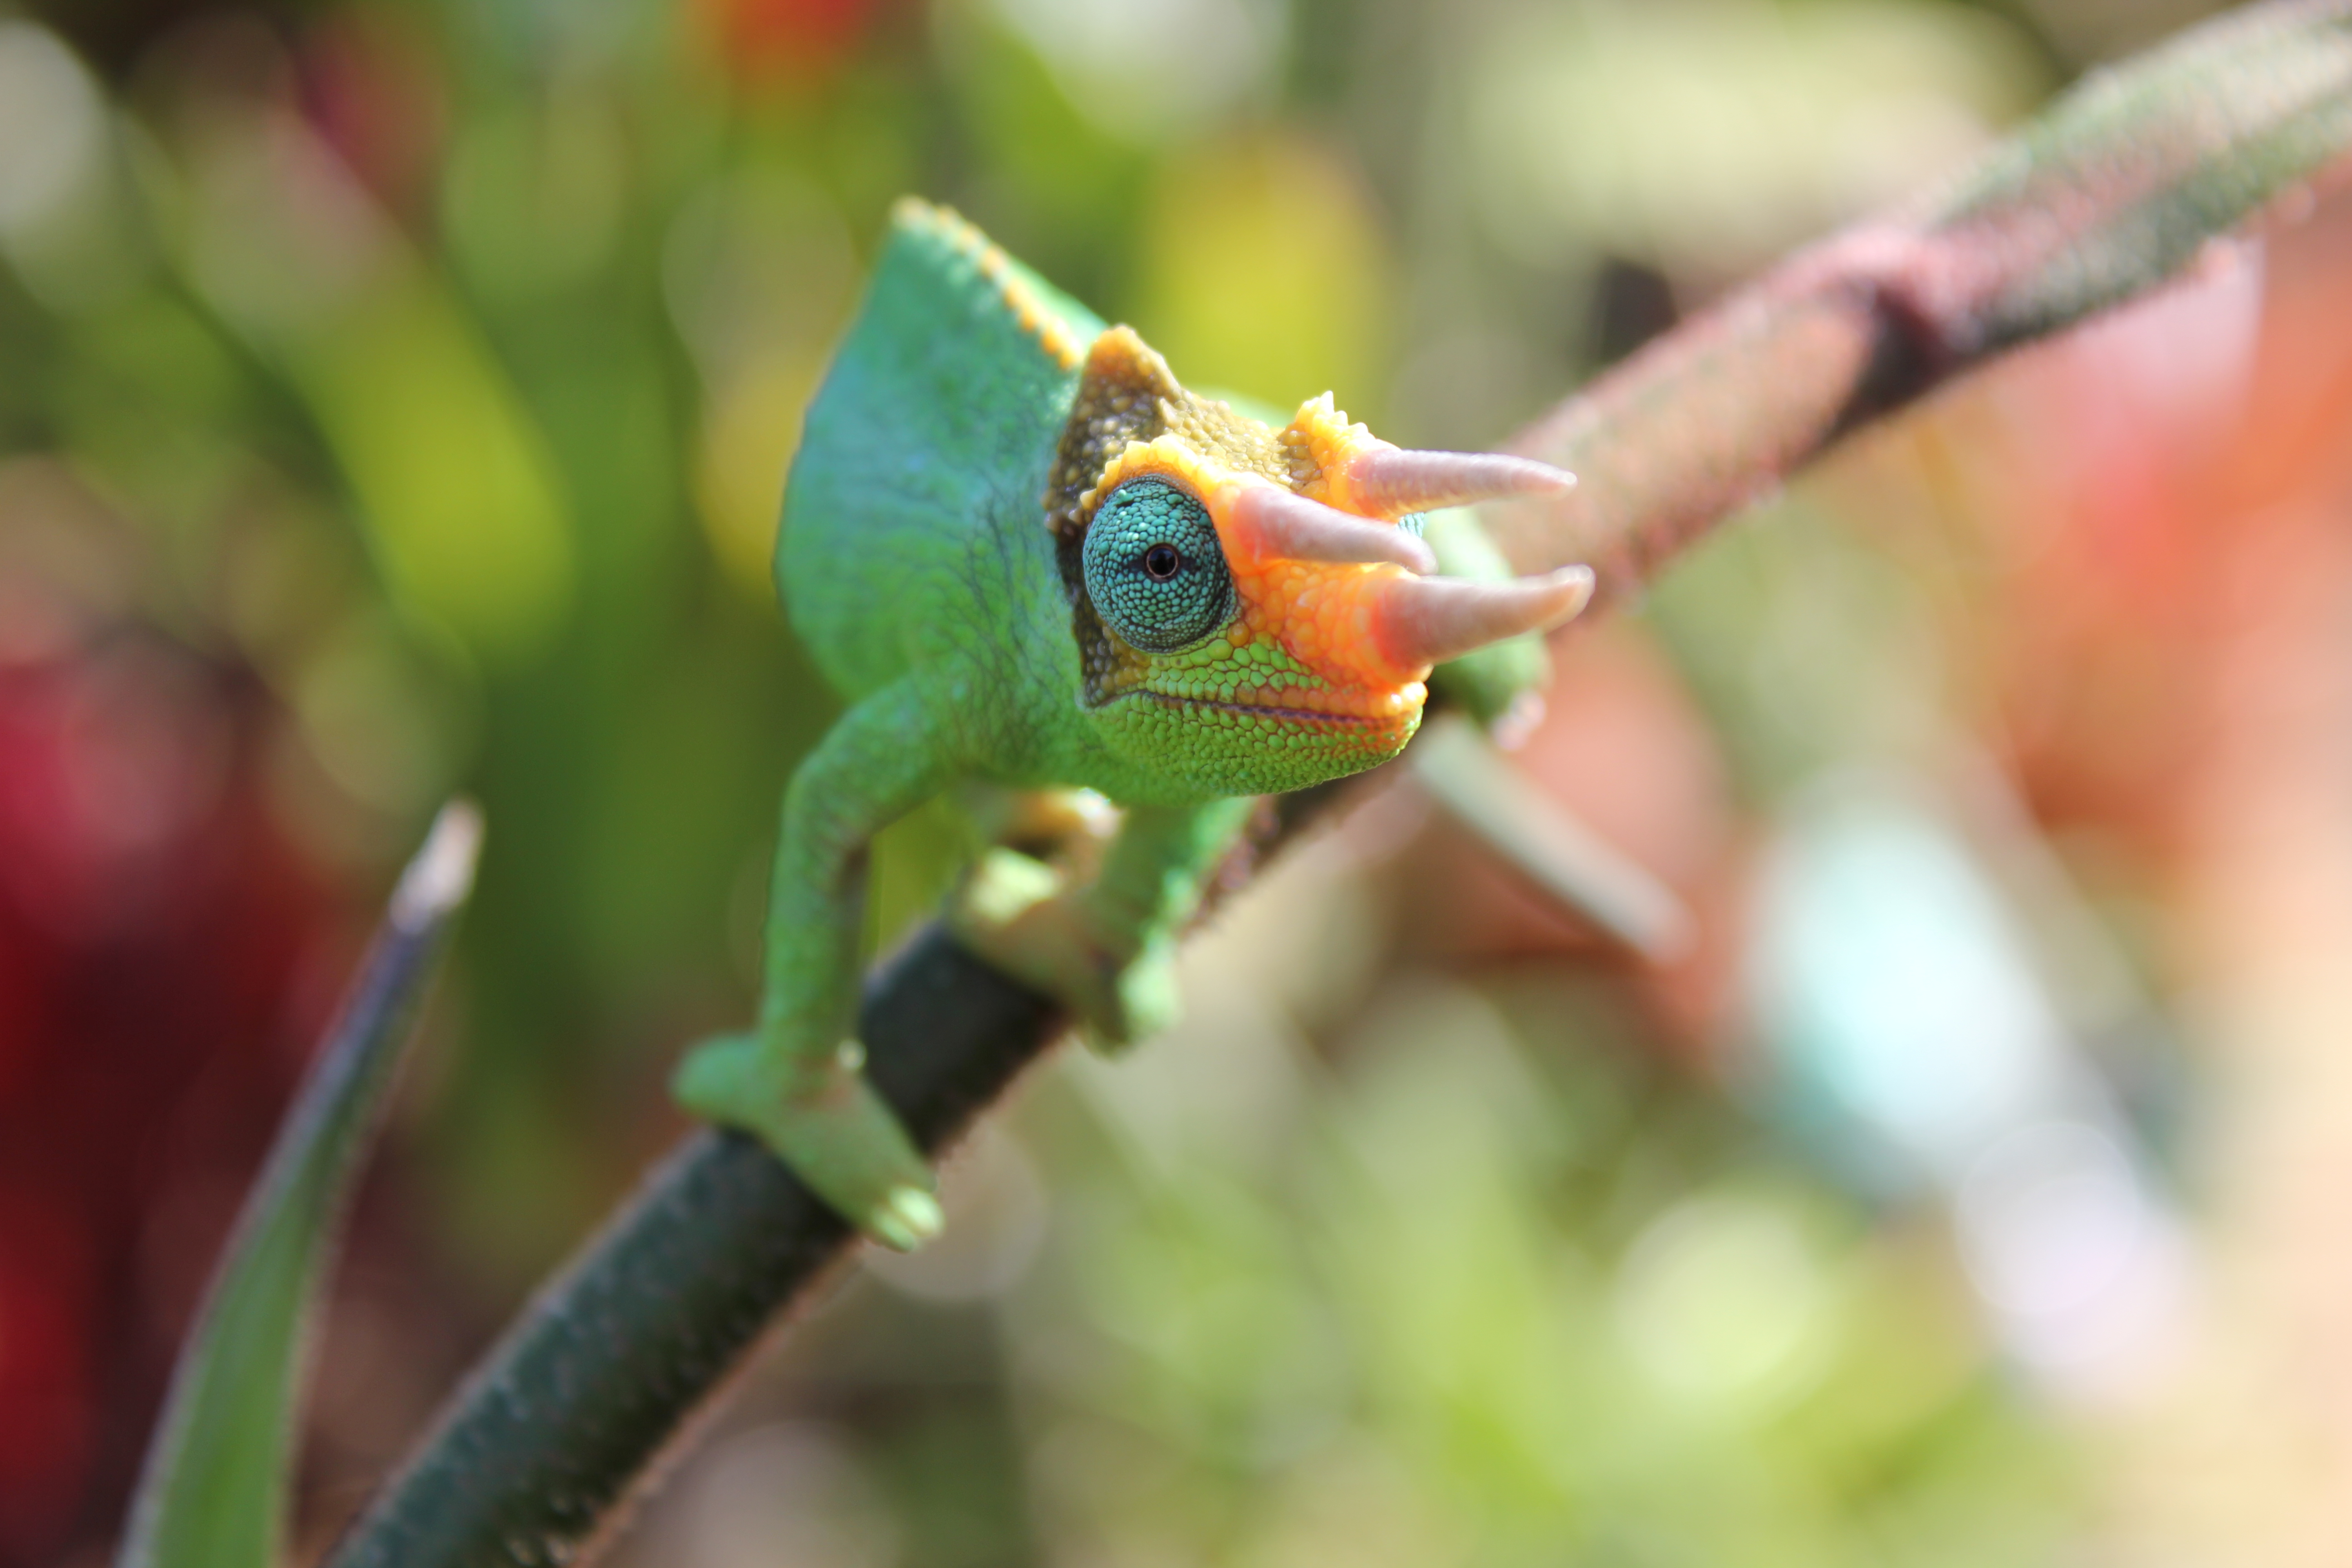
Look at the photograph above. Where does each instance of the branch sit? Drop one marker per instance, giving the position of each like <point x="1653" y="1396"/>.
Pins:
<point x="2111" y="192"/>
<point x="649" y="1322"/>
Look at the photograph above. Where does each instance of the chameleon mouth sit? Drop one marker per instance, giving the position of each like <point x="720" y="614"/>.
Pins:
<point x="1387" y="716"/>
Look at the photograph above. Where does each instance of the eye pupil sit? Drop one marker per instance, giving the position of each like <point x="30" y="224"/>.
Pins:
<point x="1162" y="561"/>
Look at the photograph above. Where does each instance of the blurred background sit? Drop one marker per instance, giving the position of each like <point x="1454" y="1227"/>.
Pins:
<point x="393" y="398"/>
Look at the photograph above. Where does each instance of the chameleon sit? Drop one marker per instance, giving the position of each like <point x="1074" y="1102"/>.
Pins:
<point x="1027" y="557"/>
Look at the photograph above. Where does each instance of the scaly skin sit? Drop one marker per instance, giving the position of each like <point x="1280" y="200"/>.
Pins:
<point x="934" y="558"/>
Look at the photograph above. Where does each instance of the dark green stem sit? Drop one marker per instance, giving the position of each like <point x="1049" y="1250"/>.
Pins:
<point x="584" y="1390"/>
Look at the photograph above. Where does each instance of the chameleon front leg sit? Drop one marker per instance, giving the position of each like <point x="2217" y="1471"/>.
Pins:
<point x="795" y="1079"/>
<point x="1106" y="949"/>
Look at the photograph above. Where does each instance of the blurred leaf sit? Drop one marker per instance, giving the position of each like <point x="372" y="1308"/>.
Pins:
<point x="1703" y="138"/>
<point x="477" y="535"/>
<point x="451" y="477"/>
<point x="214" y="1491"/>
<point x="1264" y="269"/>
<point x="534" y="194"/>
<point x="1476" y="783"/>
<point x="748" y="440"/>
<point x="1210" y="61"/>
<point x="1055" y="178"/>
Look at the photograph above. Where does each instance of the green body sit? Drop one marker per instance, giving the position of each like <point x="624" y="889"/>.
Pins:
<point x="916" y="564"/>
<point x="912" y="548"/>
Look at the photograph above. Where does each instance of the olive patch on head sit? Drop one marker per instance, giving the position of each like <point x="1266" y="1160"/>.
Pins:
<point x="1153" y="566"/>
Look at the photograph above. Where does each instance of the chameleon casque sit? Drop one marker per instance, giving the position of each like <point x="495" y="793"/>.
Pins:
<point x="1026" y="554"/>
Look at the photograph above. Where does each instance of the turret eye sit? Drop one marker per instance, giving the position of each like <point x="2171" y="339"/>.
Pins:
<point x="1153" y="566"/>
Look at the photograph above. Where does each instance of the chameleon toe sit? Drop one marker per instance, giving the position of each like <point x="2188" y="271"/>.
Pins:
<point x="908" y="1218"/>
<point x="719" y="1080"/>
<point x="824" y="1120"/>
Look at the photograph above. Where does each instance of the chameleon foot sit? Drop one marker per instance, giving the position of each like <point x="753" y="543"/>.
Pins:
<point x="1017" y="914"/>
<point x="826" y="1123"/>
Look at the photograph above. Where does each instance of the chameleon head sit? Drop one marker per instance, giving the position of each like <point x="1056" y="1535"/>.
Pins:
<point x="1252" y="612"/>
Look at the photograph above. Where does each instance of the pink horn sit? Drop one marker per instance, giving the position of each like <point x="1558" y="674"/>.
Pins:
<point x="1427" y="620"/>
<point x="1289" y="527"/>
<point x="1394" y="481"/>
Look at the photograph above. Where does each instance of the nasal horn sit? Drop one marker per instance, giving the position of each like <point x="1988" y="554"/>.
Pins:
<point x="1420" y="621"/>
<point x="1392" y="481"/>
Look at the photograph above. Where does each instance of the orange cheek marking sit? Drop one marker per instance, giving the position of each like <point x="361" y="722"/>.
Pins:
<point x="1325" y="616"/>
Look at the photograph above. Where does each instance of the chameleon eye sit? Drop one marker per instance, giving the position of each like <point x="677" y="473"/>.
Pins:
<point x="1153" y="566"/>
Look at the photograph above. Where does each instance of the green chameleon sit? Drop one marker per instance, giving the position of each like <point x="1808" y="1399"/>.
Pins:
<point x="1027" y="556"/>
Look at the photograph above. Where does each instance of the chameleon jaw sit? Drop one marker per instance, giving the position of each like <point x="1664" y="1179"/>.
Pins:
<point x="1349" y="708"/>
<point x="1268" y="741"/>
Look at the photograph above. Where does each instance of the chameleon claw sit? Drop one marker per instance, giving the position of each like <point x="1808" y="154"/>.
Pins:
<point x="1018" y="915"/>
<point x="908" y="1218"/>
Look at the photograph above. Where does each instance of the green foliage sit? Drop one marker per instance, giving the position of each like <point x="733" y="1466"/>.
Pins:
<point x="605" y="257"/>
<point x="214" y="1493"/>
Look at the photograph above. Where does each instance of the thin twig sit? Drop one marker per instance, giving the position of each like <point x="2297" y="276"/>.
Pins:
<point x="2111" y="192"/>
